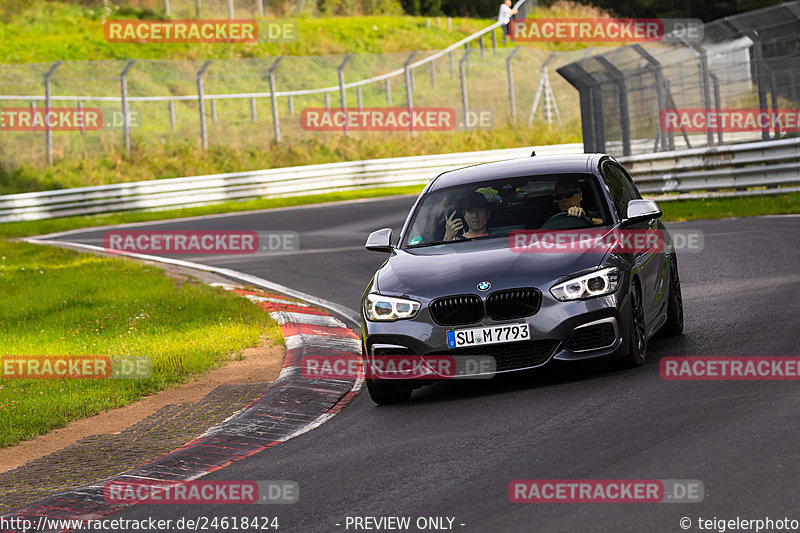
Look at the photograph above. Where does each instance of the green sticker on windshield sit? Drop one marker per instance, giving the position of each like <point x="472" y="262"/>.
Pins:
<point x="415" y="240"/>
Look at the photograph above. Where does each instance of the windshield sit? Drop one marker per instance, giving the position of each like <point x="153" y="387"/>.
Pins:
<point x="493" y="209"/>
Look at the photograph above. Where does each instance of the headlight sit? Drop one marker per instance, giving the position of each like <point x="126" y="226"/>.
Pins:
<point x="387" y="308"/>
<point x="598" y="283"/>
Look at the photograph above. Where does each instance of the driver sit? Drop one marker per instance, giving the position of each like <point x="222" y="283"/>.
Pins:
<point x="476" y="213"/>
<point x="568" y="196"/>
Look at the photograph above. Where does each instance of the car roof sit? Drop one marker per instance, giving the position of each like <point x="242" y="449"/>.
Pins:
<point x="527" y="166"/>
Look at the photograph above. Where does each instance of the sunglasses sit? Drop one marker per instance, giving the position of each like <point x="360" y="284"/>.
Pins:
<point x="566" y="195"/>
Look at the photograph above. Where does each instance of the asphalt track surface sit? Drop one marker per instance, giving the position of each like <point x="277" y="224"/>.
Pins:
<point x="455" y="447"/>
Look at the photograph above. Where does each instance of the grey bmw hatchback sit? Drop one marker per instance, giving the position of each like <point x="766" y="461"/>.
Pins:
<point x="520" y="262"/>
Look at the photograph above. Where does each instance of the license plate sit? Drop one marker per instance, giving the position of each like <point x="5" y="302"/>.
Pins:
<point x="488" y="335"/>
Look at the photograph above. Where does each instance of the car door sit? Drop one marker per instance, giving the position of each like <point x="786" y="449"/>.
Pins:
<point x="647" y="262"/>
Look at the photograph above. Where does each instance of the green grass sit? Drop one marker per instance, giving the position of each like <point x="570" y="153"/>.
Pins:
<point x="59" y="302"/>
<point x="52" y="31"/>
<point x="746" y="206"/>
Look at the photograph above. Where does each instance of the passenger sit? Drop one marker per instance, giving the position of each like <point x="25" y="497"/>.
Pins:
<point x="476" y="213"/>
<point x="568" y="196"/>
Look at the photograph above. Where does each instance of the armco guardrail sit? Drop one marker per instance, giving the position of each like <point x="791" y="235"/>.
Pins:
<point x="276" y="182"/>
<point x="664" y="176"/>
<point x="685" y="173"/>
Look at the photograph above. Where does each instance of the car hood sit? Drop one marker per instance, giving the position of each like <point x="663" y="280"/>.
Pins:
<point x="458" y="268"/>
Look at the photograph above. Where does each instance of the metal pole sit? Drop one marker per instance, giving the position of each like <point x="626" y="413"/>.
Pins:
<point x="512" y="100"/>
<point x="201" y="105"/>
<point x="291" y="105"/>
<point x="126" y="126"/>
<point x="359" y="99"/>
<point x="48" y="132"/>
<point x="260" y="8"/>
<point x="433" y="74"/>
<point x="342" y="96"/>
<point x="199" y="8"/>
<point x="480" y="44"/>
<point x="388" y="92"/>
<point x="409" y="89"/>
<point x="253" y="112"/>
<point x="449" y="24"/>
<point x="494" y="42"/>
<point x="327" y="100"/>
<point x="80" y="113"/>
<point x="622" y="102"/>
<point x="274" y="99"/>
<point x="717" y="103"/>
<point x="758" y="66"/>
<point x="166" y="7"/>
<point x="452" y="65"/>
<point x="230" y="10"/>
<point x="171" y="107"/>
<point x="705" y="80"/>
<point x="213" y="110"/>
<point x="464" y="98"/>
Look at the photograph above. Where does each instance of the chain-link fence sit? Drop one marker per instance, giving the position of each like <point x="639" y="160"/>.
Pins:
<point x="248" y="103"/>
<point x="747" y="61"/>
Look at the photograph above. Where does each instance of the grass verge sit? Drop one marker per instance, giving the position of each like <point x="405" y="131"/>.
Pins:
<point x="59" y="302"/>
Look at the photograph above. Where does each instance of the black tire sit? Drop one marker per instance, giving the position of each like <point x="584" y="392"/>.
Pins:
<point x="383" y="392"/>
<point x="637" y="335"/>
<point x="674" y="324"/>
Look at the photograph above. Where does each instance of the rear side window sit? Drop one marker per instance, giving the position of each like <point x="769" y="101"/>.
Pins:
<point x="621" y="186"/>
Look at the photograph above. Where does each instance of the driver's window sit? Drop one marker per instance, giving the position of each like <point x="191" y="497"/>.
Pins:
<point x="621" y="187"/>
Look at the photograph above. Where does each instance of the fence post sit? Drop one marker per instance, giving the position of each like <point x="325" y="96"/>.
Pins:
<point x="291" y="105"/>
<point x="48" y="132"/>
<point x="199" y="8"/>
<point x="705" y="80"/>
<point x="327" y="100"/>
<point x="388" y="92"/>
<point x="213" y="110"/>
<point x="494" y="42"/>
<point x="622" y="96"/>
<point x="260" y="8"/>
<point x="342" y="96"/>
<point x="274" y="99"/>
<point x="464" y="97"/>
<point x="253" y="112"/>
<point x="359" y="98"/>
<point x="409" y="89"/>
<point x="717" y="104"/>
<point x="80" y="113"/>
<point x="452" y="65"/>
<point x="126" y="123"/>
<point x="480" y="44"/>
<point x="166" y="7"/>
<point x="449" y="24"/>
<point x="668" y="140"/>
<point x="201" y="104"/>
<point x="512" y="100"/>
<point x="433" y="74"/>
<point x="171" y="107"/>
<point x="230" y="10"/>
<point x="758" y="55"/>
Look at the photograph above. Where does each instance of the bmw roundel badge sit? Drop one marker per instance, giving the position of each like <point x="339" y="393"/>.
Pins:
<point x="484" y="286"/>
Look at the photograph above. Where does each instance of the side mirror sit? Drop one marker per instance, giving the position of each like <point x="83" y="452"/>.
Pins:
<point x="642" y="210"/>
<point x="380" y="241"/>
